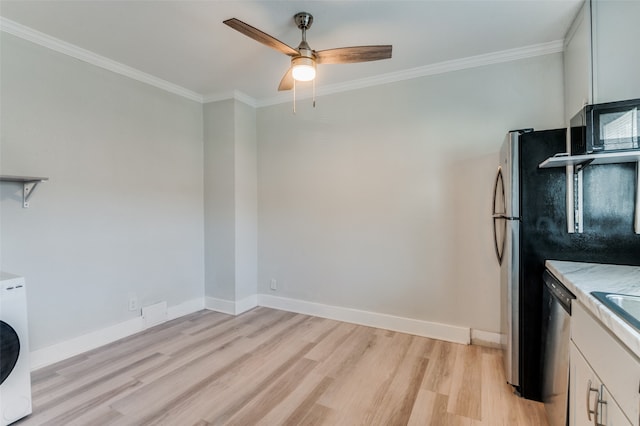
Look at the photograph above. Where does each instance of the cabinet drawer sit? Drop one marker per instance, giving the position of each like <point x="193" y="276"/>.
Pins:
<point x="612" y="362"/>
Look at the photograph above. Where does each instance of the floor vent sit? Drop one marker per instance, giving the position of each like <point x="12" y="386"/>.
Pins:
<point x="154" y="314"/>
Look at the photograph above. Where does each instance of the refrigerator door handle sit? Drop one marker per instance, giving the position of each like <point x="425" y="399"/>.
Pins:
<point x="495" y="242"/>
<point x="499" y="182"/>
<point x="499" y="186"/>
<point x="636" y="221"/>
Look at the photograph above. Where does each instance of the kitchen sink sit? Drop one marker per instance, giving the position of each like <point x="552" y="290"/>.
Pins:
<point x="625" y="306"/>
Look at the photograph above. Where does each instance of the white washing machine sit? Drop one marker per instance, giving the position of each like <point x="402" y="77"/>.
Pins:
<point x="15" y="374"/>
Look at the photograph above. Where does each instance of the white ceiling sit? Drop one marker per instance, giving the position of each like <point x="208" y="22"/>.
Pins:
<point x="185" y="43"/>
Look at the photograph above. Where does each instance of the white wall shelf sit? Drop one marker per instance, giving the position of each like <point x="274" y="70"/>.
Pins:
<point x="29" y="184"/>
<point x="563" y="159"/>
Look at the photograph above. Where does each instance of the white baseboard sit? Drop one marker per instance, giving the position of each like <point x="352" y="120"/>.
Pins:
<point x="485" y="338"/>
<point x="185" y="308"/>
<point x="72" y="347"/>
<point x="220" y="305"/>
<point x="432" y="330"/>
<point x="63" y="350"/>
<point x="230" y="307"/>
<point x="246" y="304"/>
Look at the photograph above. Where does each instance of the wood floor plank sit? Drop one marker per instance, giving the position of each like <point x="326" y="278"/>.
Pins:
<point x="264" y="376"/>
<point x="356" y="392"/>
<point x="347" y="352"/>
<point x="243" y="394"/>
<point x="317" y="415"/>
<point x="338" y="335"/>
<point x="423" y="408"/>
<point x="268" y="367"/>
<point x="102" y="415"/>
<point x="293" y="413"/>
<point x="439" y="414"/>
<point x="173" y="388"/>
<point x="405" y="376"/>
<point x="394" y="403"/>
<point x="465" y="398"/>
<point x="229" y="383"/>
<point x="253" y="409"/>
<point x="41" y="387"/>
<point x="442" y="361"/>
<point x="205" y="320"/>
<point x="65" y="408"/>
<point x="85" y="408"/>
<point x="495" y="396"/>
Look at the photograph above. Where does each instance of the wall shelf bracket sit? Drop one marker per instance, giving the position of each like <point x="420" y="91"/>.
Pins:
<point x="574" y="198"/>
<point x="27" y="191"/>
<point x="29" y="185"/>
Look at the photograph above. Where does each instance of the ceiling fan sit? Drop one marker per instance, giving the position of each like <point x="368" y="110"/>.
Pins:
<point x="303" y="58"/>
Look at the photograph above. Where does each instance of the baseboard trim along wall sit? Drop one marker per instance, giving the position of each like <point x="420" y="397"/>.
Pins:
<point x="450" y="333"/>
<point x="485" y="338"/>
<point x="220" y="305"/>
<point x="229" y="306"/>
<point x="433" y="330"/>
<point x="72" y="347"/>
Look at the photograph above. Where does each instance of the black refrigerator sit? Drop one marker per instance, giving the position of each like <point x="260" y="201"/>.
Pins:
<point x="530" y="226"/>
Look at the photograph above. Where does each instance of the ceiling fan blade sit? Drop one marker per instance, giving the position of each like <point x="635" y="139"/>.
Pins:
<point x="287" y="81"/>
<point x="346" y="55"/>
<point x="260" y="36"/>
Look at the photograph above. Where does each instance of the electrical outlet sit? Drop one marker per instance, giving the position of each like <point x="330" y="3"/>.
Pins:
<point x="274" y="284"/>
<point x="133" y="302"/>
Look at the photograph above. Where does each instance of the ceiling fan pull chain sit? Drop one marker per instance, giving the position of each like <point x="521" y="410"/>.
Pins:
<point x="314" y="92"/>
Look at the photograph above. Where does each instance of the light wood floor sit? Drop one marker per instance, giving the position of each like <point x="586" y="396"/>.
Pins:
<point x="272" y="367"/>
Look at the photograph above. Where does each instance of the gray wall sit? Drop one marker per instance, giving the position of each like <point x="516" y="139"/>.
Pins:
<point x="219" y="199"/>
<point x="380" y="199"/>
<point x="230" y="197"/>
<point x="246" y="203"/>
<point x="123" y="210"/>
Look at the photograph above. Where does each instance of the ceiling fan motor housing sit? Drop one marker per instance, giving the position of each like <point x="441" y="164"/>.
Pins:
<point x="303" y="20"/>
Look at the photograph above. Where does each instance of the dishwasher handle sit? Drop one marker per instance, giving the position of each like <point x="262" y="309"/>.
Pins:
<point x="558" y="291"/>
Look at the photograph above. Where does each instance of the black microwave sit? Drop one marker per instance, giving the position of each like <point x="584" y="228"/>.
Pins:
<point x="612" y="126"/>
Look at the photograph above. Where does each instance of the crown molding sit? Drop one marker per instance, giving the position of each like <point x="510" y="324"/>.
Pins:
<point x="234" y="94"/>
<point x="74" y="51"/>
<point x="509" y="55"/>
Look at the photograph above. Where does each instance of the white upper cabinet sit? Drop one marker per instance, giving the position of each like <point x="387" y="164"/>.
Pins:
<point x="615" y="37"/>
<point x="601" y="54"/>
<point x="577" y="63"/>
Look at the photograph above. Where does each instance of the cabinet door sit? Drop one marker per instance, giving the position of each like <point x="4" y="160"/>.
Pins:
<point x="583" y="390"/>
<point x="577" y="63"/>
<point x="588" y="395"/>
<point x="616" y="62"/>
<point x="611" y="413"/>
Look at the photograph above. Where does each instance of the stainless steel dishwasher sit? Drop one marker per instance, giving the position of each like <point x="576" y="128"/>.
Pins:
<point x="556" y="334"/>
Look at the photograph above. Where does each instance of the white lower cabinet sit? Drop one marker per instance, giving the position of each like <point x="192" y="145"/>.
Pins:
<point x="590" y="401"/>
<point x="604" y="375"/>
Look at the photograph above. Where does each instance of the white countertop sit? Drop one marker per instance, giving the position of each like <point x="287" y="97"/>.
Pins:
<point x="583" y="278"/>
<point x="4" y="276"/>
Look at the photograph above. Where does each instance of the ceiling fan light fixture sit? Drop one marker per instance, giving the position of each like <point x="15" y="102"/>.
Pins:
<point x="303" y="58"/>
<point x="303" y="69"/>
